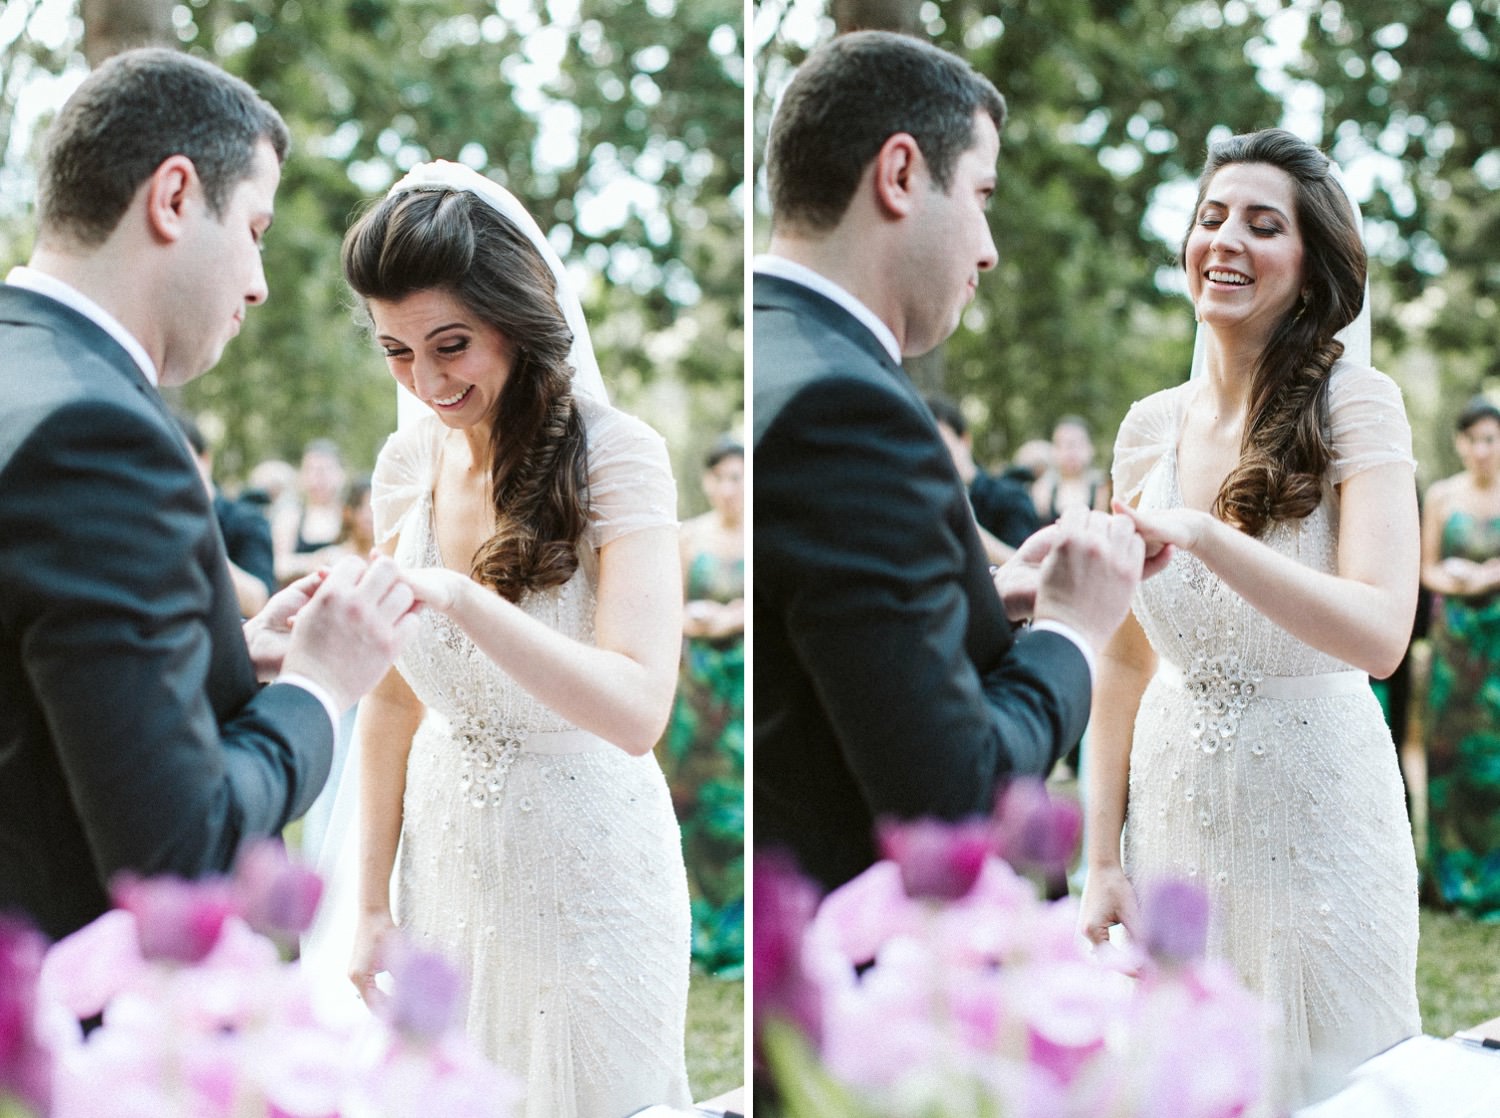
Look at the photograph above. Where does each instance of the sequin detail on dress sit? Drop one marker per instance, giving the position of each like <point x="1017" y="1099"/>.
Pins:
<point x="555" y="879"/>
<point x="1289" y="811"/>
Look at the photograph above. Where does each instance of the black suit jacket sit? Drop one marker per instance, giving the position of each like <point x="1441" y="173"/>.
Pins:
<point x="247" y="538"/>
<point x="133" y="734"/>
<point x="887" y="679"/>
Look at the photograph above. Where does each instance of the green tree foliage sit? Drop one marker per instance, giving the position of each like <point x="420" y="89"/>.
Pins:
<point x="618" y="123"/>
<point x="1112" y="104"/>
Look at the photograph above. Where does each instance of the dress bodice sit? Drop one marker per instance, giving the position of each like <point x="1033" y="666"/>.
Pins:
<point x="630" y="488"/>
<point x="1466" y="536"/>
<point x="1193" y="620"/>
<point x="713" y="578"/>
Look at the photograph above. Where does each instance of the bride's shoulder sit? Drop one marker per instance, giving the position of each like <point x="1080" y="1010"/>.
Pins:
<point x="1156" y="418"/>
<point x="613" y="433"/>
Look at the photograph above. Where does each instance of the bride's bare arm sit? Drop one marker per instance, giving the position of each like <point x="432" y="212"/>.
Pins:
<point x="1360" y="614"/>
<point x="1125" y="667"/>
<point x="622" y="689"/>
<point x="383" y="729"/>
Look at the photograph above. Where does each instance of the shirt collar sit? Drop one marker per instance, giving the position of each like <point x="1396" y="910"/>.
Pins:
<point x="70" y="297"/>
<point x="790" y="270"/>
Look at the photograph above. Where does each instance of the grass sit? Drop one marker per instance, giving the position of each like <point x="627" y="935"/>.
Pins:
<point x="1458" y="972"/>
<point x="716" y="1035"/>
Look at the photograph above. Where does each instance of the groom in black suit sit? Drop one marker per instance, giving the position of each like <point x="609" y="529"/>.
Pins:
<point x="888" y="678"/>
<point x="134" y="734"/>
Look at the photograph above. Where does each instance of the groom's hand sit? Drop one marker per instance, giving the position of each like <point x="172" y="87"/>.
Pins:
<point x="1090" y="573"/>
<point x="353" y="626"/>
<point x="1019" y="578"/>
<point x="269" y="633"/>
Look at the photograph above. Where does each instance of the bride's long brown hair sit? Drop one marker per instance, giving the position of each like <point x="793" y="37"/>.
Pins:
<point x="449" y="240"/>
<point x="1285" y="451"/>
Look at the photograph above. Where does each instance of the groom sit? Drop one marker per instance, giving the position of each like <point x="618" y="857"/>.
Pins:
<point x="133" y="733"/>
<point x="888" y="679"/>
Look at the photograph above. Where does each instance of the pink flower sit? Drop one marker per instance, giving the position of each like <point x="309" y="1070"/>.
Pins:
<point x="276" y="896"/>
<point x="1033" y="831"/>
<point x="177" y="921"/>
<point x="25" y="1065"/>
<point x="1174" y="921"/>
<point x="427" y="994"/>
<point x="938" y="860"/>
<point x="781" y="987"/>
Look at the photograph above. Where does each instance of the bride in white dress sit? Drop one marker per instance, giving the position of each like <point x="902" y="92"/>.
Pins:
<point x="1235" y="739"/>
<point x="508" y="758"/>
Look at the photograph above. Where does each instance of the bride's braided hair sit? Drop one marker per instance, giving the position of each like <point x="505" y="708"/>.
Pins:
<point x="1285" y="450"/>
<point x="448" y="240"/>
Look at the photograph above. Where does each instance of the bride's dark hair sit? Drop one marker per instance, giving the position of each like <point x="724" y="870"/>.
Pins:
<point x="1285" y="451"/>
<point x="449" y="240"/>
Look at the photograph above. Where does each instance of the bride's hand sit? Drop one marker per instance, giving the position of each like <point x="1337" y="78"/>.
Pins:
<point x="368" y="959"/>
<point x="1166" y="528"/>
<point x="436" y="587"/>
<point x="1108" y="899"/>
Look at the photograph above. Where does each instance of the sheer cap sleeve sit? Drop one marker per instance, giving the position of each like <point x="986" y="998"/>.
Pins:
<point x="1367" y="422"/>
<point x="403" y="473"/>
<point x="630" y="476"/>
<point x="1148" y="431"/>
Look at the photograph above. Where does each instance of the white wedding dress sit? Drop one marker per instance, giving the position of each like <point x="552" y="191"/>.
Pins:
<point x="544" y="861"/>
<point x="1263" y="770"/>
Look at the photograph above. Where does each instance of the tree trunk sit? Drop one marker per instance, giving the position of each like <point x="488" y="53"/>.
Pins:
<point x="928" y="371"/>
<point x="112" y="26"/>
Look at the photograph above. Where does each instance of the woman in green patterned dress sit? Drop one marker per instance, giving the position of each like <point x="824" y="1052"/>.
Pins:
<point x="703" y="752"/>
<point x="1461" y="562"/>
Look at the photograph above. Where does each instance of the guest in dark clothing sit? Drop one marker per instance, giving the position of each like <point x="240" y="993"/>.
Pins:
<point x="247" y="532"/>
<point x="1001" y="505"/>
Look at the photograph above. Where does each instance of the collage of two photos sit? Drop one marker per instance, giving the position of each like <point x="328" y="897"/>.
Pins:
<point x="403" y="399"/>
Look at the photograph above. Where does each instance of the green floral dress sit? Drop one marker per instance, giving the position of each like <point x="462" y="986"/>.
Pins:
<point x="1463" y="735"/>
<point x="703" y="756"/>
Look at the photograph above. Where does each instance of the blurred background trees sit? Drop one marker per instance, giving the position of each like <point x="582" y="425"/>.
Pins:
<point x="618" y="122"/>
<point x="1112" y="103"/>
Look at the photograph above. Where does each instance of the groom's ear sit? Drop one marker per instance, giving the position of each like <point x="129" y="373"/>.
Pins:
<point x="167" y="196"/>
<point x="897" y="167"/>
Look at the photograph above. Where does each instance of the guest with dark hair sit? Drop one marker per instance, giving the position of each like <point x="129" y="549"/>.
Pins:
<point x="247" y="533"/>
<point x="1002" y="506"/>
<point x="1461" y="564"/>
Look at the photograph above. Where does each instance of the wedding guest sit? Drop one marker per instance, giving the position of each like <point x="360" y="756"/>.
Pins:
<point x="1002" y="506"/>
<point x="1235" y="739"/>
<point x="508" y="786"/>
<point x="134" y="735"/>
<point x="889" y="677"/>
<point x="1461" y="564"/>
<point x="1071" y="480"/>
<point x="308" y="530"/>
<point x="703" y="751"/>
<point x="247" y="535"/>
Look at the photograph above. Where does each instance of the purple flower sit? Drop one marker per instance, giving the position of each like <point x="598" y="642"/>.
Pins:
<point x="939" y="861"/>
<point x="276" y="896"/>
<point x="781" y="989"/>
<point x="1033" y="831"/>
<point x="25" y="1065"/>
<point x="427" y="992"/>
<point x="1174" y="921"/>
<point x="177" y="921"/>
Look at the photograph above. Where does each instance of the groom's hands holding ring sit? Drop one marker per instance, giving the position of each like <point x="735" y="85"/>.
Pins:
<point x="1091" y="569"/>
<point x="351" y="628"/>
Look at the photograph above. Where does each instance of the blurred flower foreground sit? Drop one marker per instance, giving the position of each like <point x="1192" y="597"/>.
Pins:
<point x="940" y="984"/>
<point x="204" y="1017"/>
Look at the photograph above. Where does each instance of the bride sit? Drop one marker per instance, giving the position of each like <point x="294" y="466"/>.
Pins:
<point x="506" y="778"/>
<point x="1235" y="739"/>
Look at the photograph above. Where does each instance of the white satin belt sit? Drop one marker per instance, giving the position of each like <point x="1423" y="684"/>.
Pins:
<point x="1329" y="685"/>
<point x="564" y="741"/>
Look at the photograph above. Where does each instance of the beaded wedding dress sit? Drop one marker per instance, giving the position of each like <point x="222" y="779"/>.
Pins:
<point x="1262" y="768"/>
<point x="541" y="859"/>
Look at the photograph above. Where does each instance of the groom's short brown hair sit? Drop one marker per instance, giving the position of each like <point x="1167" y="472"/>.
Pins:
<point x="136" y="110"/>
<point x="847" y="99"/>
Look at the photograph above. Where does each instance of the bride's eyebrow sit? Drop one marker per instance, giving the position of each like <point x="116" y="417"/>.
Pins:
<point x="439" y="329"/>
